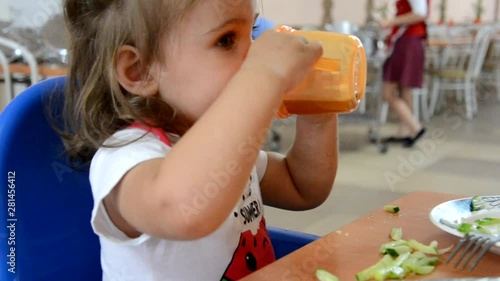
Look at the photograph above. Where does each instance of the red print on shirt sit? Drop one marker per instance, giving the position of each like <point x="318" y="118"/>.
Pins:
<point x="253" y="253"/>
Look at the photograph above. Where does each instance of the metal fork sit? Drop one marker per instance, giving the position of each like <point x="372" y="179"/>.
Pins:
<point x="478" y="240"/>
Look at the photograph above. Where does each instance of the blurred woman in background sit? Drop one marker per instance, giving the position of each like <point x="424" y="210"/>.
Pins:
<point x="404" y="68"/>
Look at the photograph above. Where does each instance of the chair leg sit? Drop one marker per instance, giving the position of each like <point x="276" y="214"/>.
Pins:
<point x="434" y="96"/>
<point x="468" y="102"/>
<point x="497" y="83"/>
<point x="362" y="106"/>
<point x="416" y="104"/>
<point x="384" y="111"/>
<point x="424" y="105"/>
<point x="459" y="98"/>
<point x="473" y="88"/>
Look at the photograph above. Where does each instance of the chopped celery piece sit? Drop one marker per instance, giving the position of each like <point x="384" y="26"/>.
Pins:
<point x="476" y="204"/>
<point x="410" y="263"/>
<point x="466" y="228"/>
<point x="392" y="252"/>
<point x="398" y="250"/>
<point x="422" y="248"/>
<point x="427" y="261"/>
<point x="396" y="233"/>
<point x="487" y="221"/>
<point x="397" y="273"/>
<point x="434" y="244"/>
<point x="391" y="245"/>
<point x="369" y="273"/>
<point x="403" y="249"/>
<point x="391" y="209"/>
<point x="418" y="255"/>
<point x="401" y="258"/>
<point x="393" y="268"/>
<point x="485" y="229"/>
<point x="485" y="225"/>
<point x="324" y="275"/>
<point x="424" y="270"/>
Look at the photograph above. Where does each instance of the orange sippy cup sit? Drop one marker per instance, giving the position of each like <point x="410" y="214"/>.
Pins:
<point x="336" y="83"/>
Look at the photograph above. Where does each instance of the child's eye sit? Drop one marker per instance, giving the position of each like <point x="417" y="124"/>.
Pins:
<point x="226" y="41"/>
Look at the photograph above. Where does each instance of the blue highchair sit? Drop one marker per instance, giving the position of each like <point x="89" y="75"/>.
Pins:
<point x="45" y="231"/>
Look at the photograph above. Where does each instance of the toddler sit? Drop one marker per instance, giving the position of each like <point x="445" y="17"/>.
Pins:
<point x="170" y="102"/>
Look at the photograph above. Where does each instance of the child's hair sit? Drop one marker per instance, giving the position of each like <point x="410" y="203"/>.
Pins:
<point x="96" y="106"/>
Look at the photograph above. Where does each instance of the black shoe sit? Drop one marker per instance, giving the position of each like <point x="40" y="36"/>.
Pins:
<point x="411" y="141"/>
<point x="396" y="140"/>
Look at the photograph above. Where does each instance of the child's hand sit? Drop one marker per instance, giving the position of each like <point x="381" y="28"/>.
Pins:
<point x="287" y="57"/>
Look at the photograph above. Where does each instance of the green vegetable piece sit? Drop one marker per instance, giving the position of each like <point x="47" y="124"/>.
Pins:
<point x="397" y="250"/>
<point x="392" y="252"/>
<point x="424" y="270"/>
<point x="427" y="261"/>
<point x="418" y="260"/>
<point x="485" y="230"/>
<point x="477" y="204"/>
<point x="418" y="255"/>
<point x="394" y="268"/>
<point x="369" y="273"/>
<point x="417" y="246"/>
<point x="396" y="233"/>
<point x="324" y="275"/>
<point x="403" y="249"/>
<point x="397" y="273"/>
<point x="487" y="221"/>
<point x="391" y="245"/>
<point x="391" y="209"/>
<point x="466" y="228"/>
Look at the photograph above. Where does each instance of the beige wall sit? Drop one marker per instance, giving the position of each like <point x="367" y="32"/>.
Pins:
<point x="303" y="12"/>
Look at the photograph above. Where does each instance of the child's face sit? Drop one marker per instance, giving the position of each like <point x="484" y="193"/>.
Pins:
<point x="204" y="52"/>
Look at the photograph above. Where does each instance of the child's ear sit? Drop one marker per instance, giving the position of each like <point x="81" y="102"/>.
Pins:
<point x="132" y="75"/>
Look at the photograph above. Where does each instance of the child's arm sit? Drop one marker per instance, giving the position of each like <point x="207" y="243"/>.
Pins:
<point x="158" y="196"/>
<point x="303" y="179"/>
<point x="419" y="13"/>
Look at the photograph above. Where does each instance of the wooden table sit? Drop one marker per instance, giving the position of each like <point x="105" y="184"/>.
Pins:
<point x="457" y="41"/>
<point x="444" y="43"/>
<point x="356" y="246"/>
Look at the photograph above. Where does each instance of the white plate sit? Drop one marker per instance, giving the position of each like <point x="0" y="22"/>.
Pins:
<point x="457" y="211"/>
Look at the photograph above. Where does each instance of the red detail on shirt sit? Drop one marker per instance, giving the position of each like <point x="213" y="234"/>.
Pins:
<point x="157" y="131"/>
<point x="418" y="29"/>
<point x="253" y="253"/>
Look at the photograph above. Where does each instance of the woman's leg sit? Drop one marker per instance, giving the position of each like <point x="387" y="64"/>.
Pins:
<point x="404" y="130"/>
<point x="401" y="107"/>
<point x="407" y="94"/>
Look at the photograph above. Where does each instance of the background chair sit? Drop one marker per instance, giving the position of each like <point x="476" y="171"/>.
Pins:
<point x="286" y="241"/>
<point x="344" y="27"/>
<point x="6" y="78"/>
<point x="490" y="76"/>
<point x="51" y="203"/>
<point x="28" y="56"/>
<point x="460" y="69"/>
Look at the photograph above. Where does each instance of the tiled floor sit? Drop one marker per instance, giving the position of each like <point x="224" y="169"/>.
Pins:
<point x="456" y="156"/>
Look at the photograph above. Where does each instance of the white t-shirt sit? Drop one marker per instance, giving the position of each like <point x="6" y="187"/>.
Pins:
<point x="419" y="7"/>
<point x="240" y="246"/>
